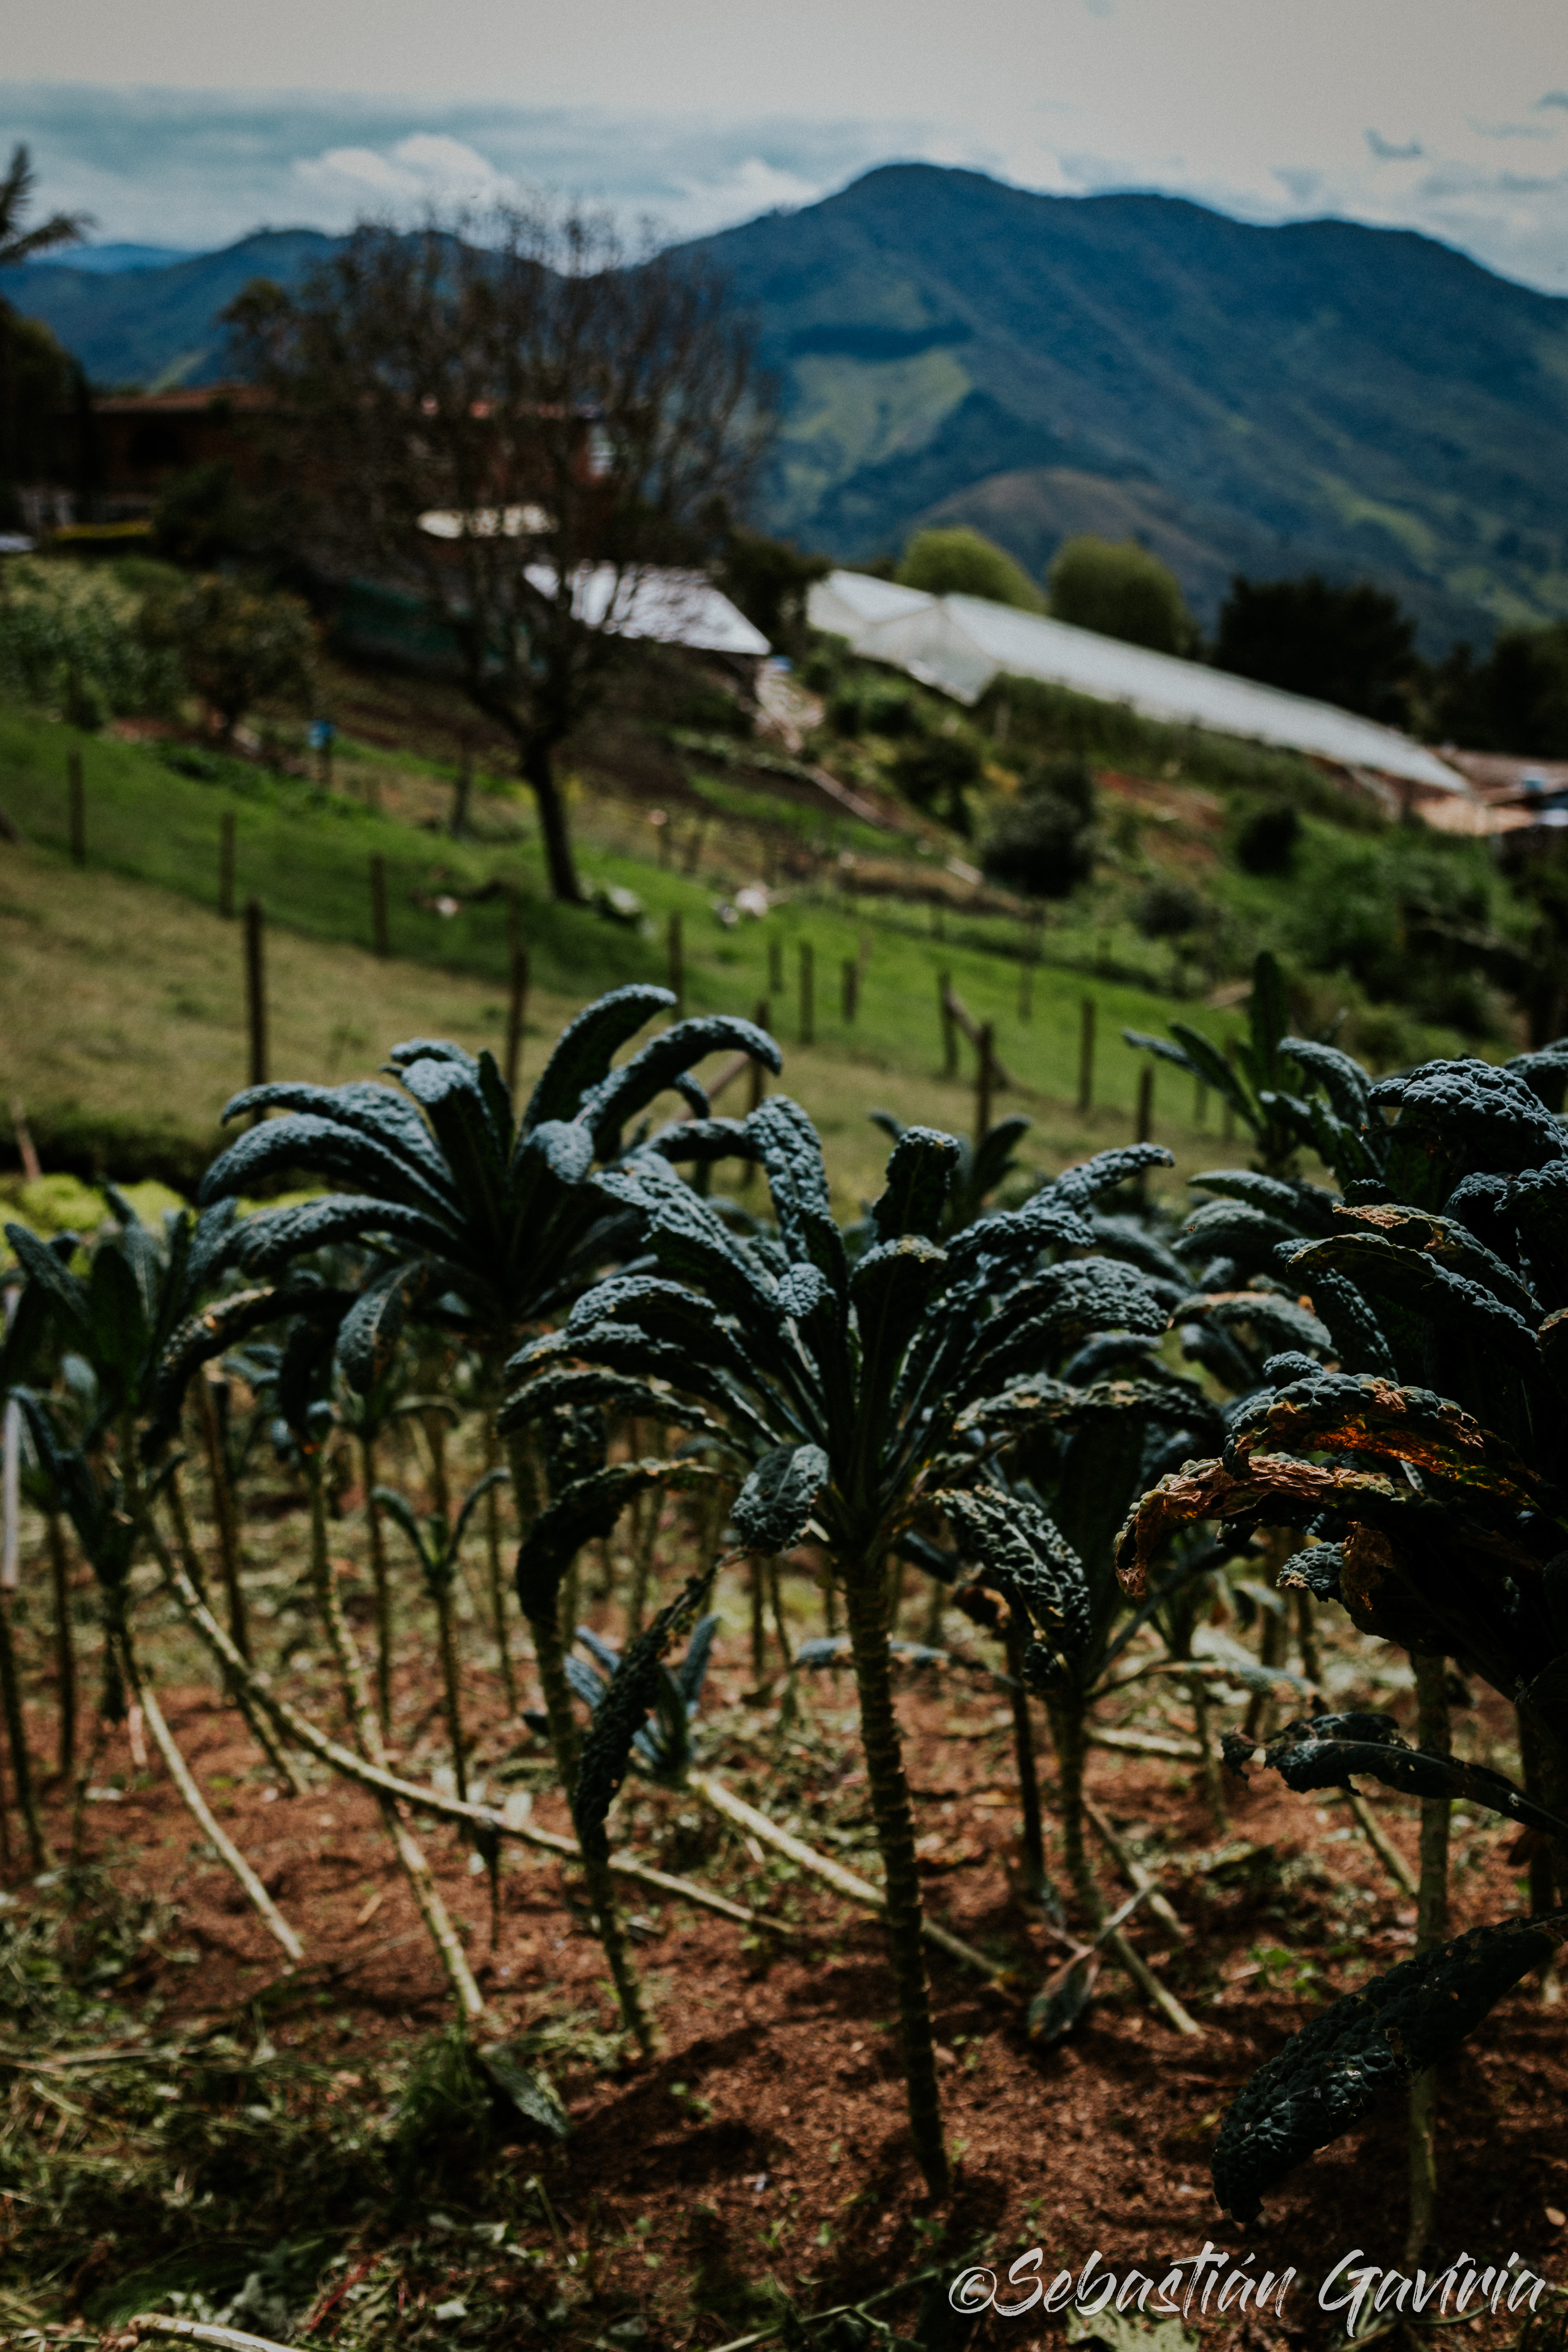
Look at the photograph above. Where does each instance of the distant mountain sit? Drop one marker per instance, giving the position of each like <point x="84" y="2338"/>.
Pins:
<point x="156" y="327"/>
<point x="108" y="259"/>
<point x="1360" y="401"/>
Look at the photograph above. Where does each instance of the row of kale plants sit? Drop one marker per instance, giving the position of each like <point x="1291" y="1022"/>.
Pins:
<point x="1069" y="1415"/>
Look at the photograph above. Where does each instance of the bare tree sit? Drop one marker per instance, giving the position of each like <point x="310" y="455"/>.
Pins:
<point x="517" y="419"/>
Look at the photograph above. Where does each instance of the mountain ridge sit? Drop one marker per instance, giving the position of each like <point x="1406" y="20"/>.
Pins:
<point x="1316" y="395"/>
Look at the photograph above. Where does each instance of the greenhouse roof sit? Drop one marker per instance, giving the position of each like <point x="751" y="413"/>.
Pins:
<point x="959" y="643"/>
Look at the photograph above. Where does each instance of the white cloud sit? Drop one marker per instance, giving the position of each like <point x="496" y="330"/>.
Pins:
<point x="754" y="186"/>
<point x="426" y="168"/>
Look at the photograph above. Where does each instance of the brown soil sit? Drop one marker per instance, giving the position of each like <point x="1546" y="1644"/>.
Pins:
<point x="769" y="2138"/>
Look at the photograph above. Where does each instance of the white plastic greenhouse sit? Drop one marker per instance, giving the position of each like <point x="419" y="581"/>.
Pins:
<point x="959" y="643"/>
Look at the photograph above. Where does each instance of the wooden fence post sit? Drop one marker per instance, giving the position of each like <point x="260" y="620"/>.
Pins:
<point x="78" y="805"/>
<point x="949" y="1025"/>
<point x="380" y="937"/>
<point x="256" y="992"/>
<point x="982" y="1083"/>
<point x="1086" y="1056"/>
<point x="226" y="864"/>
<point x="675" y="953"/>
<point x="851" y="988"/>
<point x="517" y="1005"/>
<point x="463" y="790"/>
<point x="1146" y="1103"/>
<point x="808" y="993"/>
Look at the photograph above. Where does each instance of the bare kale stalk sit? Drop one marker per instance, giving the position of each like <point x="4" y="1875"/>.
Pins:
<point x="1434" y="1735"/>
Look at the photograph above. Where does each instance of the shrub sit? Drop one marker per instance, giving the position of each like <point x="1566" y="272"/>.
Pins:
<point x="1043" y="843"/>
<point x="1120" y="590"/>
<point x="70" y="639"/>
<point x="1169" y="910"/>
<point x="936" y="773"/>
<point x="964" y="562"/>
<point x="1267" y="842"/>
<point x="1407" y="916"/>
<point x="238" y="643"/>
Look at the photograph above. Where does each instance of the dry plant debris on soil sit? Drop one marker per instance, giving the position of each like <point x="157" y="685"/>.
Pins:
<point x="190" y="2127"/>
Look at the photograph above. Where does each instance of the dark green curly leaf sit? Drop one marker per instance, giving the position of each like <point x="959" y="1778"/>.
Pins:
<point x="527" y="2094"/>
<point x="1369" y="2042"/>
<point x="921" y="1169"/>
<point x="1026" y="1557"/>
<point x="584" y="1513"/>
<point x="772" y="1510"/>
<point x="1324" y="1751"/>
<point x="633" y="1693"/>
<point x="606" y="1107"/>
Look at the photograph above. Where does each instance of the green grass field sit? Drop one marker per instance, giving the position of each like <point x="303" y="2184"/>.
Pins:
<point x="123" y="988"/>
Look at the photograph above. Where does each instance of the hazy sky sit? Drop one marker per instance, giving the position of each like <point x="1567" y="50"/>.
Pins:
<point x="188" y="121"/>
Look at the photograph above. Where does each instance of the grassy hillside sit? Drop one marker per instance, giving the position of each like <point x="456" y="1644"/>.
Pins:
<point x="707" y="840"/>
<point x="122" y="987"/>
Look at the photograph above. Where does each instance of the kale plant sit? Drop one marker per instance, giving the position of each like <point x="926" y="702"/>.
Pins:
<point x="843" y="1388"/>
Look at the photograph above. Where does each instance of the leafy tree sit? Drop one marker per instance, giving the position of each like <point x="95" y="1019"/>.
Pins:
<point x="239" y="642"/>
<point x="1516" y="700"/>
<point x="36" y="381"/>
<point x="769" y="580"/>
<point x="202" y="515"/>
<point x="18" y="243"/>
<point x="1118" y="589"/>
<point x="1354" y="646"/>
<point x="34" y="373"/>
<point x="570" y="413"/>
<point x="845" y="1387"/>
<point x="965" y="563"/>
<point x="1043" y="842"/>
